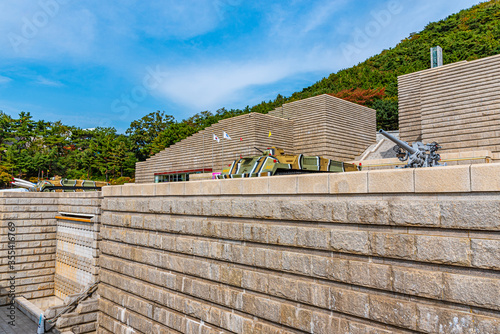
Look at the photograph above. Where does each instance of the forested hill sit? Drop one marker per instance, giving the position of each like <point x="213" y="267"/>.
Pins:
<point x="31" y="148"/>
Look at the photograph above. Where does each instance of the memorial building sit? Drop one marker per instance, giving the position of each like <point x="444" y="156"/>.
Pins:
<point x="323" y="125"/>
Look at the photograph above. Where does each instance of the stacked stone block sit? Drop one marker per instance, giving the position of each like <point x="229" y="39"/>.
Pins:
<point x="35" y="244"/>
<point x="456" y="105"/>
<point x="328" y="126"/>
<point x="364" y="252"/>
<point x="83" y="319"/>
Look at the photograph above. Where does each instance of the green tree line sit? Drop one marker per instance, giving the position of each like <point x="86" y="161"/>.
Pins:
<point x="33" y="149"/>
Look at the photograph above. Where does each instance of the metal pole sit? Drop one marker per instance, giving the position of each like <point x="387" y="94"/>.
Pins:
<point x="222" y="156"/>
<point x="203" y="162"/>
<point x="212" y="156"/>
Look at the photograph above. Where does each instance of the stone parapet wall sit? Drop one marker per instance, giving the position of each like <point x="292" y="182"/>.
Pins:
<point x="450" y="159"/>
<point x="379" y="251"/>
<point x="35" y="243"/>
<point x="34" y="217"/>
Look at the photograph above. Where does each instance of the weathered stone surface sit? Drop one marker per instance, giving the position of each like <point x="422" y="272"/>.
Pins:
<point x="231" y="186"/>
<point x="485" y="177"/>
<point x="282" y="234"/>
<point x="418" y="282"/>
<point x="350" y="241"/>
<point x="393" y="245"/>
<point x="350" y="302"/>
<point x="255" y="186"/>
<point x="486" y="253"/>
<point x="399" y="313"/>
<point x="348" y="183"/>
<point x="312" y="184"/>
<point x="370" y="274"/>
<point x="436" y="319"/>
<point x="470" y="290"/>
<point x="297" y="263"/>
<point x="324" y="324"/>
<point x="411" y="212"/>
<point x="367" y="212"/>
<point x="176" y="188"/>
<point x="443" y="250"/>
<point x="283" y="185"/>
<point x="295" y="210"/>
<point x="391" y="181"/>
<point x="470" y="214"/>
<point x="442" y="179"/>
<point x="162" y="189"/>
<point x="313" y="237"/>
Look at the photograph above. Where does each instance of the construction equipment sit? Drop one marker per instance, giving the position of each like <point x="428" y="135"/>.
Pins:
<point x="274" y="161"/>
<point x="418" y="154"/>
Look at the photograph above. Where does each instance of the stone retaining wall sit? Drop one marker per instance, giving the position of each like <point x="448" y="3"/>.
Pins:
<point x="83" y="319"/>
<point x="35" y="243"/>
<point x="364" y="252"/>
<point x="34" y="218"/>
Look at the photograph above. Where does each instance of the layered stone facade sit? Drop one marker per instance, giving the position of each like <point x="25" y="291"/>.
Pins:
<point x="396" y="251"/>
<point x="321" y="125"/>
<point x="456" y="105"/>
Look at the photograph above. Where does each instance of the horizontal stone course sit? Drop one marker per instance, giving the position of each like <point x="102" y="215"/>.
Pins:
<point x="481" y="213"/>
<point x="325" y="253"/>
<point x="446" y="179"/>
<point x="389" y="277"/>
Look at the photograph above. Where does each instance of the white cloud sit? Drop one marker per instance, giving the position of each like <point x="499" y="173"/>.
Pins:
<point x="47" y="82"/>
<point x="322" y="14"/>
<point x="4" y="79"/>
<point x="211" y="86"/>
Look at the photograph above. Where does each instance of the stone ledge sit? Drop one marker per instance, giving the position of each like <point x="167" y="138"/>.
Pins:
<point x="446" y="179"/>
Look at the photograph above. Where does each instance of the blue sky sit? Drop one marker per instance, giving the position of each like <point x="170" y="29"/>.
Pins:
<point x="105" y="63"/>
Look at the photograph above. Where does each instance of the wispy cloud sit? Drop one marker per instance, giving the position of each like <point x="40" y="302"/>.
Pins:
<point x="4" y="79"/>
<point x="213" y="85"/>
<point x="322" y="14"/>
<point x="40" y="80"/>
